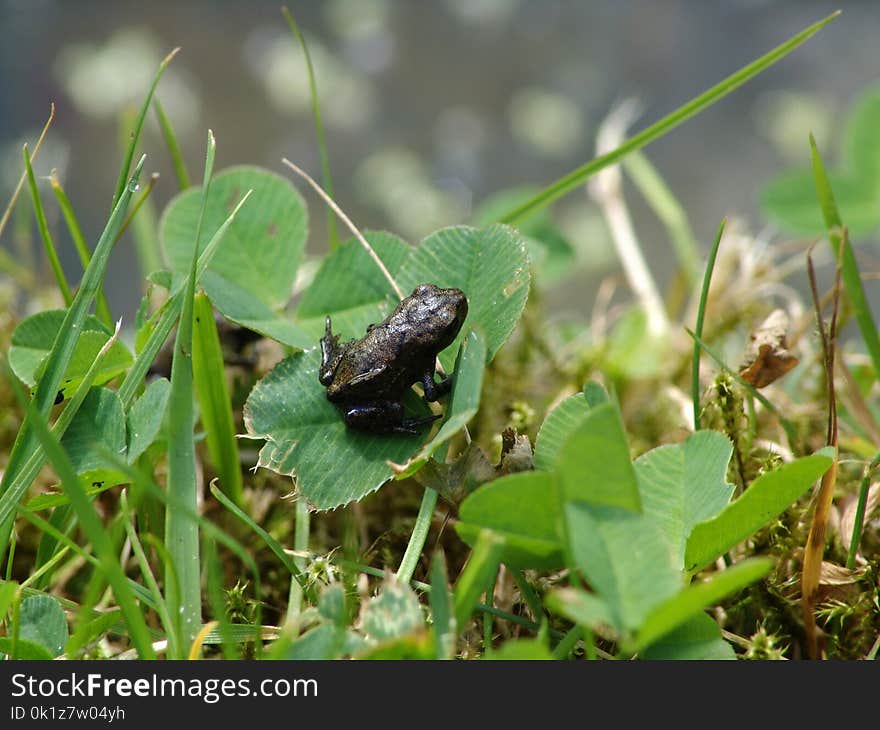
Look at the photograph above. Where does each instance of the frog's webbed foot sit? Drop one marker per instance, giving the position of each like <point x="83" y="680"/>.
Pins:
<point x="330" y="353"/>
<point x="434" y="390"/>
<point x="383" y="417"/>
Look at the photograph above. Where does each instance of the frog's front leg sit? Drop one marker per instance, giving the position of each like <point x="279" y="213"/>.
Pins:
<point x="382" y="417"/>
<point x="331" y="351"/>
<point x="434" y="390"/>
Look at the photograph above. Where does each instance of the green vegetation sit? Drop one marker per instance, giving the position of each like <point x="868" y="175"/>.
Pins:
<point x="594" y="489"/>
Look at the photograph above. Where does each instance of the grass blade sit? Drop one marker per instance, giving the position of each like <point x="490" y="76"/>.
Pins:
<point x="177" y="162"/>
<point x="102" y="308"/>
<point x="90" y="522"/>
<point x="668" y="209"/>
<point x="43" y="227"/>
<point x="270" y="541"/>
<point x="332" y="235"/>
<point x="481" y="567"/>
<point x="62" y="349"/>
<point x="576" y="177"/>
<point x="8" y="212"/>
<point x="138" y="125"/>
<point x="213" y="395"/>
<point x="149" y="578"/>
<point x="849" y="268"/>
<point x="169" y="315"/>
<point x="182" y="533"/>
<point x="698" y="330"/>
<point x="419" y="535"/>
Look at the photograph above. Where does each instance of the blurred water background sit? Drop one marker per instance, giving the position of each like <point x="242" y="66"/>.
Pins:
<point x="429" y="106"/>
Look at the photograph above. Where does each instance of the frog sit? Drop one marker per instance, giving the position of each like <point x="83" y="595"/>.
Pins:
<point x="367" y="378"/>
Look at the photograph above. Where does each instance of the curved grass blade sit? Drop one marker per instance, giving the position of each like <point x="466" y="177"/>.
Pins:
<point x="43" y="227"/>
<point x="102" y="308"/>
<point x="65" y="343"/>
<point x="576" y="177"/>
<point x="147" y="574"/>
<point x="332" y="235"/>
<point x="698" y="330"/>
<point x="8" y="212"/>
<point x="286" y="560"/>
<point x="90" y="522"/>
<point x="177" y="162"/>
<point x="138" y="125"/>
<point x="28" y="473"/>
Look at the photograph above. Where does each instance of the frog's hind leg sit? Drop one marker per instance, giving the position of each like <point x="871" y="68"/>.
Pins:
<point x="383" y="417"/>
<point x="432" y="389"/>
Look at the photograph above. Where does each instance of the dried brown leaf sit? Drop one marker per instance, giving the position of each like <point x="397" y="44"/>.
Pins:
<point x="767" y="358"/>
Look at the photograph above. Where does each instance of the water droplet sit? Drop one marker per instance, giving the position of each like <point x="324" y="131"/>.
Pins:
<point x="133" y="186"/>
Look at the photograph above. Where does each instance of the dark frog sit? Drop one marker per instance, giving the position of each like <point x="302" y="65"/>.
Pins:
<point x="367" y="378"/>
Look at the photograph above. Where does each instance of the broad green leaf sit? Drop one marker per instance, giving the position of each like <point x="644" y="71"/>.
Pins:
<point x="558" y="426"/>
<point x="698" y="638"/>
<point x="766" y="498"/>
<point x="33" y="339"/>
<point x="146" y="417"/>
<point x="523" y="509"/>
<point x="251" y="276"/>
<point x="25" y="649"/>
<point x="394" y="613"/>
<point x="98" y="426"/>
<point x="42" y="621"/>
<point x="691" y="601"/>
<point x="442" y="612"/>
<point x="586" y="609"/>
<point x="625" y="558"/>
<point x="594" y="464"/>
<point x="464" y="400"/>
<point x="550" y="253"/>
<point x="49" y="500"/>
<point x="325" y="641"/>
<point x="489" y="265"/>
<point x="520" y="649"/>
<point x="351" y="288"/>
<point x="306" y="436"/>
<point x="683" y="484"/>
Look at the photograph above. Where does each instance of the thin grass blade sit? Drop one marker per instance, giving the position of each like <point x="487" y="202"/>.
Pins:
<point x="65" y="343"/>
<point x="102" y="308"/>
<point x="182" y="533"/>
<point x="177" y="162"/>
<point x="214" y="403"/>
<point x="332" y="235"/>
<point x="90" y="522"/>
<point x="43" y="228"/>
<point x="138" y="125"/>
<point x="576" y="177"/>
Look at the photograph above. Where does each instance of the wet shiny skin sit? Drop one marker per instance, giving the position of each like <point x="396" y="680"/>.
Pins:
<point x="367" y="378"/>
